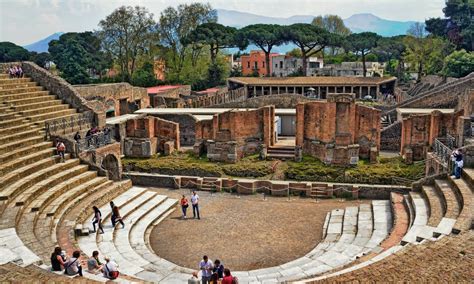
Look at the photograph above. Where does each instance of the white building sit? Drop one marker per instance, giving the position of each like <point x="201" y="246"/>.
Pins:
<point x="286" y="65"/>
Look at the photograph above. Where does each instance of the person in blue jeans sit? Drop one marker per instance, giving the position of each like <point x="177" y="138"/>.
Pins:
<point x="458" y="163"/>
<point x="195" y="203"/>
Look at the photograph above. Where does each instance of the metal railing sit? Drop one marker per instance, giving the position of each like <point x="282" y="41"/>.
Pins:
<point x="73" y="123"/>
<point x="443" y="151"/>
<point x="95" y="141"/>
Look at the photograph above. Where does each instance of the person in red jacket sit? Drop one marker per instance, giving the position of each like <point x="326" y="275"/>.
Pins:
<point x="184" y="206"/>
<point x="228" y="278"/>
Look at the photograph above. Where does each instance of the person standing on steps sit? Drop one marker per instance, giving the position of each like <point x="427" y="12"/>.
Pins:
<point x="97" y="219"/>
<point x="206" y="268"/>
<point x="61" y="149"/>
<point x="118" y="218"/>
<point x="458" y="163"/>
<point x="195" y="203"/>
<point x="112" y="216"/>
<point x="184" y="205"/>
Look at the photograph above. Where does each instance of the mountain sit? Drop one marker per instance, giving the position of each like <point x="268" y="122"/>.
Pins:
<point x="357" y="23"/>
<point x="42" y="45"/>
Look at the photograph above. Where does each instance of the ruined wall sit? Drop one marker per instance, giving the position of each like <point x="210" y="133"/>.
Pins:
<point x="148" y="135"/>
<point x="337" y="130"/>
<point x="210" y="99"/>
<point x="187" y="127"/>
<point x="110" y="95"/>
<point x="279" y="101"/>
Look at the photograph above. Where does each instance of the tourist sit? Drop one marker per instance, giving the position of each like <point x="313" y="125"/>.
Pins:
<point x="218" y="269"/>
<point x="73" y="265"/>
<point x="112" y="216"/>
<point x="110" y="269"/>
<point x="194" y="279"/>
<point x="88" y="137"/>
<point x="11" y="72"/>
<point x="184" y="205"/>
<point x="19" y="72"/>
<point x="61" y="149"/>
<point x="94" y="265"/>
<point x="57" y="259"/>
<point x="195" y="203"/>
<point x="77" y="137"/>
<point x="206" y="268"/>
<point x="97" y="219"/>
<point x="228" y="278"/>
<point x="117" y="217"/>
<point x="458" y="163"/>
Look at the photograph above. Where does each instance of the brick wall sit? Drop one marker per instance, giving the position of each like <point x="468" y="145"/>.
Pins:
<point x="279" y="101"/>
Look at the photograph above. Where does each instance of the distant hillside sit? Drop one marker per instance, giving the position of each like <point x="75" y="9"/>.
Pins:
<point x="357" y="23"/>
<point x="42" y="45"/>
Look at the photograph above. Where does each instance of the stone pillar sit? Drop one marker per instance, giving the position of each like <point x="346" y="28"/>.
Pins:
<point x="327" y="91"/>
<point x="254" y="91"/>
<point x="286" y="89"/>
<point x="352" y="89"/>
<point x="299" y="139"/>
<point x="319" y="92"/>
<point x="278" y="90"/>
<point x="271" y="87"/>
<point x="377" y="91"/>
<point x="435" y="122"/>
<point x="263" y="91"/>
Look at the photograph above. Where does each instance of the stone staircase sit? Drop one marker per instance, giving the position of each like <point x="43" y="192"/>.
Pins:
<point x="281" y="152"/>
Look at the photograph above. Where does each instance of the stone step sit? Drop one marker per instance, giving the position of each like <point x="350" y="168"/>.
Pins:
<point x="14" y="98"/>
<point x="9" y="115"/>
<point x="20" y="135"/>
<point x="383" y="222"/>
<point x="25" y="160"/>
<point x="401" y="221"/>
<point x="51" y="115"/>
<point x="450" y="200"/>
<point x="9" y="81"/>
<point x="44" y="110"/>
<point x="468" y="176"/>
<point x="42" y="97"/>
<point x="13" y="250"/>
<point x="25" y="171"/>
<point x="37" y="105"/>
<point x="420" y="221"/>
<point x="12" y="121"/>
<point x="434" y="204"/>
<point x="24" y="151"/>
<point x="465" y="219"/>
<point x="281" y="156"/>
<point x="12" y="86"/>
<point x="15" y="145"/>
<point x="22" y="126"/>
<point x="20" y="90"/>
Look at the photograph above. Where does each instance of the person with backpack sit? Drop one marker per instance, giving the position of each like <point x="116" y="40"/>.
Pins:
<point x="97" y="219"/>
<point x="73" y="265"/>
<point x="228" y="278"/>
<point x="110" y="269"/>
<point x="61" y="149"/>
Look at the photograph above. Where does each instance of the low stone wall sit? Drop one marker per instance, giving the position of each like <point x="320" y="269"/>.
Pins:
<point x="63" y="90"/>
<point x="279" y="101"/>
<point x="273" y="187"/>
<point x="390" y="137"/>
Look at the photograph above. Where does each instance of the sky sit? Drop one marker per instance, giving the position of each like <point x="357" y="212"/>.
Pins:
<point x="27" y="21"/>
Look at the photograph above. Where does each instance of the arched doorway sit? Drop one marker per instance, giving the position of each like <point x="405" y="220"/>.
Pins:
<point x="111" y="165"/>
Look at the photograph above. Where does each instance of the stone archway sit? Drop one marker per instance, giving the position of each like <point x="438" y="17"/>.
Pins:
<point x="111" y="164"/>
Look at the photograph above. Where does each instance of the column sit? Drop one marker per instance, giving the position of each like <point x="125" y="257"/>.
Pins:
<point x="278" y="90"/>
<point x="352" y="89"/>
<point x="377" y="91"/>
<point x="271" y="87"/>
<point x="254" y="91"/>
<point x="263" y="90"/>
<point x="286" y="90"/>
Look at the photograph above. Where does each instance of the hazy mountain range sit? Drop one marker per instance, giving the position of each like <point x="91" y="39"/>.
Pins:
<point x="356" y="23"/>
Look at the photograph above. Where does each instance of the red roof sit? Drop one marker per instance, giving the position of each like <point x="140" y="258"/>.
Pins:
<point x="159" y="89"/>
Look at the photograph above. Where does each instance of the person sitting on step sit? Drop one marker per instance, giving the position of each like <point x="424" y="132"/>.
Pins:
<point x="110" y="269"/>
<point x="57" y="259"/>
<point x="94" y="265"/>
<point x="73" y="265"/>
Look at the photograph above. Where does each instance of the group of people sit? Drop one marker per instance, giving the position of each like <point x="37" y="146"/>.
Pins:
<point x="15" y="71"/>
<point x="194" y="202"/>
<point x="72" y="266"/>
<point x="115" y="217"/>
<point x="212" y="273"/>
<point x="457" y="159"/>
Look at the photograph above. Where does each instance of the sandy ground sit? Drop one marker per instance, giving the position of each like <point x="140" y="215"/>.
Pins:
<point x="244" y="232"/>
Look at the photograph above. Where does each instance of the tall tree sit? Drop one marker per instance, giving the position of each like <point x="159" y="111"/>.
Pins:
<point x="78" y="55"/>
<point x="333" y="24"/>
<point x="11" y="52"/>
<point x="391" y="48"/>
<point x="459" y="64"/>
<point x="265" y="37"/>
<point x="215" y="35"/>
<point x="126" y="34"/>
<point x="175" y="24"/>
<point x="310" y="39"/>
<point x="362" y="44"/>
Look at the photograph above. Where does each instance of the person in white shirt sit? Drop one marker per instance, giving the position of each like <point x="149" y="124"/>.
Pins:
<point x="110" y="269"/>
<point x="194" y="279"/>
<point x="195" y="202"/>
<point x="206" y="267"/>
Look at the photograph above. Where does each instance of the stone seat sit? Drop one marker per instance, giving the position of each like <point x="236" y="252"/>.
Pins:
<point x="25" y="160"/>
<point x="434" y="204"/>
<point x="8" y="115"/>
<point x="45" y="110"/>
<point x="37" y="105"/>
<point x="13" y="249"/>
<point x="465" y="218"/>
<point x="39" y="167"/>
<point x="20" y="90"/>
<point x="51" y="115"/>
<point x="11" y="121"/>
<point x="15" y="145"/>
<point x="25" y="84"/>
<point x="9" y="81"/>
<point x="41" y="97"/>
<point x="451" y="203"/>
<point x="25" y="150"/>
<point x="22" y="96"/>
<point x="420" y="221"/>
<point x="401" y="221"/>
<point x="28" y="132"/>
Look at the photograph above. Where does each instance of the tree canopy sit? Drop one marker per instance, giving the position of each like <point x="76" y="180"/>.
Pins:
<point x="333" y="24"/>
<point x="11" y="52"/>
<point x="362" y="44"/>
<point x="459" y="64"/>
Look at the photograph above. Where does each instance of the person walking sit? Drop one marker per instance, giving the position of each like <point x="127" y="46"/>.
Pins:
<point x="184" y="205"/>
<point x="97" y="219"/>
<point x="61" y="149"/>
<point x="206" y="268"/>
<point x="118" y="218"/>
<point x="195" y="203"/>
